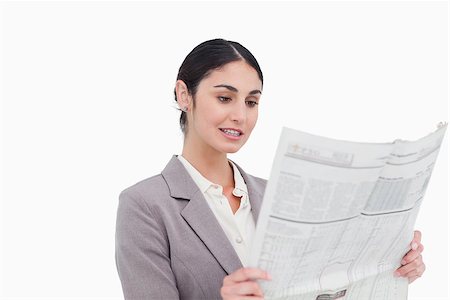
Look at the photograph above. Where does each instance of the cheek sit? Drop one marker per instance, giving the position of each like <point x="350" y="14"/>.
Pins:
<point x="213" y="119"/>
<point x="215" y="116"/>
<point x="204" y="114"/>
<point x="253" y="119"/>
<point x="209" y="121"/>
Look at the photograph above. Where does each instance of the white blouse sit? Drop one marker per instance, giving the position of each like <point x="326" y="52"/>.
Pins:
<point x="238" y="227"/>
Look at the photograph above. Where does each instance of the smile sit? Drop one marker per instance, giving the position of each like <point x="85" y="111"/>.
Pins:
<point x="231" y="132"/>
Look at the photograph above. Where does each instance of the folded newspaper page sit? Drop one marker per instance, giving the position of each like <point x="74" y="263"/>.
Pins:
<point x="338" y="216"/>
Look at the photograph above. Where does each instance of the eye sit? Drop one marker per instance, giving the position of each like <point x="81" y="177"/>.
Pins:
<point x="251" y="103"/>
<point x="224" y="99"/>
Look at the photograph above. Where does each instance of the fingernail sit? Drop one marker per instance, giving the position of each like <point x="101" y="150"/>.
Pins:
<point x="414" y="246"/>
<point x="403" y="262"/>
<point x="396" y="274"/>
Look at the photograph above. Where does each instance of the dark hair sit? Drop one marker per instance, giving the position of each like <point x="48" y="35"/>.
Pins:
<point x="205" y="58"/>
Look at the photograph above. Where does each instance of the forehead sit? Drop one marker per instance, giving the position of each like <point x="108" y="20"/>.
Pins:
<point x="238" y="74"/>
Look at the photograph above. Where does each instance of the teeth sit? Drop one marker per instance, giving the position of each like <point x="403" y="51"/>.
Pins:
<point x="231" y="132"/>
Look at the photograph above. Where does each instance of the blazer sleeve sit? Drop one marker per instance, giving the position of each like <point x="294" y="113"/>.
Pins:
<point x="142" y="252"/>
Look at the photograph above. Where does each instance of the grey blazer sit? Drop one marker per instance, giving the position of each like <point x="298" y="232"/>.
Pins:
<point x="169" y="244"/>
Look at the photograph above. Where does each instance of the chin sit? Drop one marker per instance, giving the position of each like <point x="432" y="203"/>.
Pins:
<point x="230" y="148"/>
<point x="232" y="151"/>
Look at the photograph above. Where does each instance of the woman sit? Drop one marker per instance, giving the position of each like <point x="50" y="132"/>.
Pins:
<point x="186" y="233"/>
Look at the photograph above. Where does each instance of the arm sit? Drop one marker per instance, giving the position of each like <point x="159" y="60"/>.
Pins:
<point x="412" y="263"/>
<point x="142" y="252"/>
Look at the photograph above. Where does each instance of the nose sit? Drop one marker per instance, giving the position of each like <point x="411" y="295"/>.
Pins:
<point x="239" y="112"/>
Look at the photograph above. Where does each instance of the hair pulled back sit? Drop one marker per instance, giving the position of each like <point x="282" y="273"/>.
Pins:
<point x="205" y="58"/>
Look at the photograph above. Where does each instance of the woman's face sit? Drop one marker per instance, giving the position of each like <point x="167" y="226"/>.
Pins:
<point x="226" y="108"/>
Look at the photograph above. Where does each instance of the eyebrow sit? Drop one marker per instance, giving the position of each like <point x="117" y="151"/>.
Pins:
<point x="233" y="89"/>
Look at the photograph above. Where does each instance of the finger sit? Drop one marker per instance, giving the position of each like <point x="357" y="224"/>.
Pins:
<point x="247" y="288"/>
<point x="409" y="267"/>
<point x="415" y="264"/>
<point x="412" y="255"/>
<point x="225" y="297"/>
<point x="243" y="298"/>
<point x="416" y="239"/>
<point x="416" y="272"/>
<point x="244" y="274"/>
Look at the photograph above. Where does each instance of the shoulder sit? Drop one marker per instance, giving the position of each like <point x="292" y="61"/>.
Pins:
<point x="146" y="194"/>
<point x="155" y="185"/>
<point x="257" y="181"/>
<point x="257" y="185"/>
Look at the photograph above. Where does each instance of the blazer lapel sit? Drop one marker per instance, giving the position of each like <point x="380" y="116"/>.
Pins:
<point x="199" y="216"/>
<point x="203" y="221"/>
<point x="255" y="195"/>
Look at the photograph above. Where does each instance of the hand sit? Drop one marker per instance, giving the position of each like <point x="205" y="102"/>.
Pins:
<point x="412" y="263"/>
<point x="241" y="284"/>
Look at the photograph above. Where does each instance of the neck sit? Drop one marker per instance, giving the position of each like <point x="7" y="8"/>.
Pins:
<point x="213" y="165"/>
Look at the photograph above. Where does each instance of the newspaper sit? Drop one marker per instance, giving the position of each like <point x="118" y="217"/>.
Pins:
<point x="338" y="216"/>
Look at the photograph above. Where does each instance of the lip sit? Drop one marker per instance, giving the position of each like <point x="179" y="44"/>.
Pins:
<point x="232" y="137"/>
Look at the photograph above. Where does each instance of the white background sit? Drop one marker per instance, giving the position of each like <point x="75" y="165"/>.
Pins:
<point x="88" y="109"/>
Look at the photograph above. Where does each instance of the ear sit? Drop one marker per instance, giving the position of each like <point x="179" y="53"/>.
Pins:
<point x="184" y="99"/>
